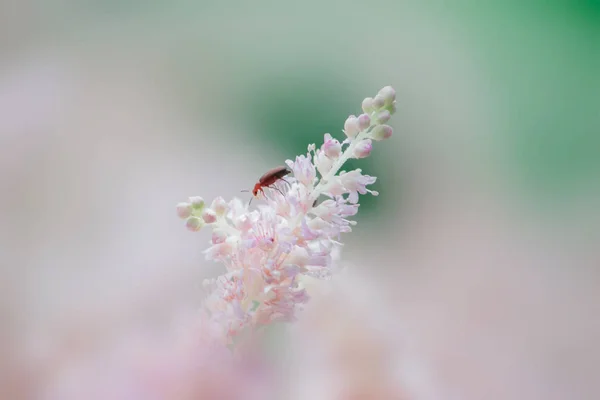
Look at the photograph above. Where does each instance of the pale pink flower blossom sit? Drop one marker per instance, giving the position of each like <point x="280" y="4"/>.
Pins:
<point x="303" y="169"/>
<point x="331" y="147"/>
<point x="323" y="162"/>
<point x="363" y="149"/>
<point x="354" y="183"/>
<point x="219" y="205"/>
<point x="266" y="250"/>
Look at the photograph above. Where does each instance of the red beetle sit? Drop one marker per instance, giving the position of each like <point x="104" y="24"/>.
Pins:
<point x="269" y="178"/>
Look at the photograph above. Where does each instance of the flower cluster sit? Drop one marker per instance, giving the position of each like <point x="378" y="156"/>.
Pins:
<point x="266" y="250"/>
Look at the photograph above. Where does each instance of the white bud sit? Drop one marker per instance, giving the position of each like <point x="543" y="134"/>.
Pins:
<point x="367" y="105"/>
<point x="351" y="127"/>
<point x="363" y="149"/>
<point x="219" y="206"/>
<point x="383" y="116"/>
<point x="364" y="121"/>
<point x="209" y="216"/>
<point x="381" y="132"/>
<point x="194" y="224"/>
<point x="388" y="93"/>
<point x="197" y="202"/>
<point x="378" y="102"/>
<point x="184" y="210"/>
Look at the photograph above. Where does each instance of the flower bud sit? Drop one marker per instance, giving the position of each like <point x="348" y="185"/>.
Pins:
<point x="388" y="94"/>
<point x="243" y="223"/>
<point x="383" y="116"/>
<point x="351" y="127"/>
<point x="363" y="149"/>
<point x="218" y="236"/>
<point x="364" y="121"/>
<point x="184" y="210"/>
<point x="219" y="206"/>
<point x="331" y="147"/>
<point x="378" y="102"/>
<point x="194" y="224"/>
<point x="197" y="202"/>
<point x="392" y="107"/>
<point x="209" y="216"/>
<point x="367" y="105"/>
<point x="381" y="132"/>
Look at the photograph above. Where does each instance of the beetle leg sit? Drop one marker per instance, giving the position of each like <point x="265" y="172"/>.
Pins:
<point x="279" y="190"/>
<point x="283" y="179"/>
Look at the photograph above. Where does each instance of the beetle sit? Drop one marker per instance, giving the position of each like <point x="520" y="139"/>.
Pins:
<point x="269" y="178"/>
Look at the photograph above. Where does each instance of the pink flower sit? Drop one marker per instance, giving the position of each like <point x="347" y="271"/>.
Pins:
<point x="354" y="182"/>
<point x="219" y="251"/>
<point x="303" y="169"/>
<point x="331" y="147"/>
<point x="219" y="205"/>
<point x="218" y="236"/>
<point x="363" y="149"/>
<point x="335" y="212"/>
<point x="267" y="249"/>
<point x="323" y="162"/>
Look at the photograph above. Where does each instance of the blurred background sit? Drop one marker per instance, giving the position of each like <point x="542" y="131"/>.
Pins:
<point x="482" y="248"/>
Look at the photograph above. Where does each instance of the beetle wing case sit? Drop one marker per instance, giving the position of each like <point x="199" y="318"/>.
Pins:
<point x="273" y="174"/>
